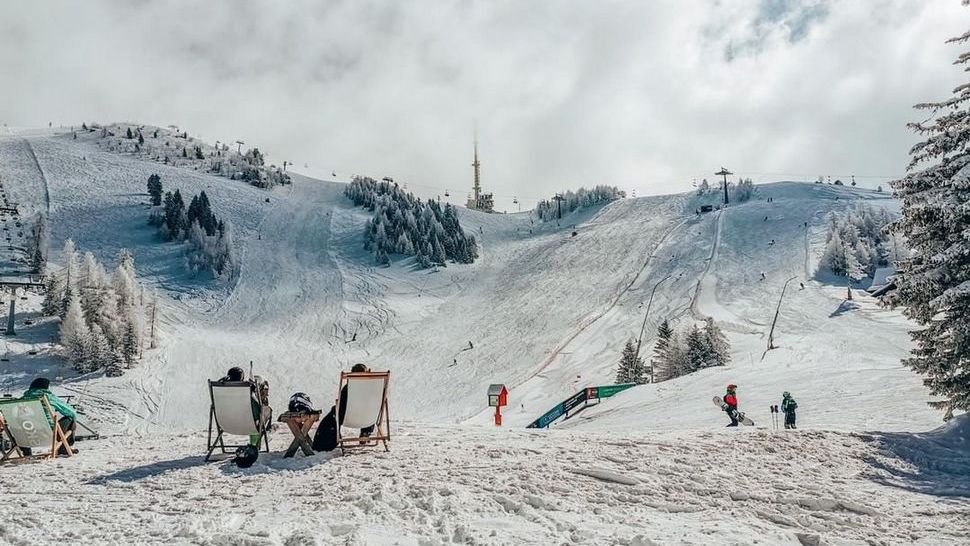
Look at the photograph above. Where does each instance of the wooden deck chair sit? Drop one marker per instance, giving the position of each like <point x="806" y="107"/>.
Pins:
<point x="231" y="412"/>
<point x="366" y="406"/>
<point x="24" y="422"/>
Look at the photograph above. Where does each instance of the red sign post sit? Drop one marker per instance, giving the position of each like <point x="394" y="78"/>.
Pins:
<point x="497" y="397"/>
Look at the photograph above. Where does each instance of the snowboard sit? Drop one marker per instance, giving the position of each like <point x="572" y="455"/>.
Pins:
<point x="737" y="414"/>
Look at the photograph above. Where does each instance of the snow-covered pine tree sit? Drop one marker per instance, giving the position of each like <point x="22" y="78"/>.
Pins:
<point x="934" y="282"/>
<point x="661" y="365"/>
<point x="698" y="354"/>
<point x="718" y="343"/>
<point x="631" y="368"/>
<point x="99" y="351"/>
<point x="75" y="336"/>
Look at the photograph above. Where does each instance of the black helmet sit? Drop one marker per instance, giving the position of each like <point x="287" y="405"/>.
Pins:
<point x="246" y="456"/>
<point x="300" y="402"/>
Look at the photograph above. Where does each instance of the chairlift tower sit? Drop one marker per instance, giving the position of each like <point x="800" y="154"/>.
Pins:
<point x="724" y="172"/>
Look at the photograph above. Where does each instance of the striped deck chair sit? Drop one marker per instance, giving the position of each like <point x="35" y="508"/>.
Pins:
<point x="366" y="405"/>
<point x="232" y="413"/>
<point x="25" y="424"/>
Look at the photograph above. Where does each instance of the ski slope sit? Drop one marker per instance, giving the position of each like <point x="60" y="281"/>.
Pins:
<point x="545" y="310"/>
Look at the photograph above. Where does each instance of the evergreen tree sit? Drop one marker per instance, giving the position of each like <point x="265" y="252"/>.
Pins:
<point x="661" y="365"/>
<point x="99" y="351"/>
<point x="934" y="282"/>
<point x="631" y="368"/>
<point x="75" y="336"/>
<point x="129" y="135"/>
<point x="720" y="349"/>
<point x="698" y="354"/>
<point x="155" y="189"/>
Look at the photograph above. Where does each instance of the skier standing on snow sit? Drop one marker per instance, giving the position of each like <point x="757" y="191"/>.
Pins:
<point x="731" y="399"/>
<point x="788" y="406"/>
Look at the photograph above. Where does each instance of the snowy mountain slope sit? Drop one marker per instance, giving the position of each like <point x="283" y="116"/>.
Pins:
<point x="547" y="313"/>
<point x="542" y="310"/>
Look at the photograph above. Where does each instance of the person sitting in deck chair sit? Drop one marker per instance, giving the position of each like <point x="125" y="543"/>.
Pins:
<point x="326" y="435"/>
<point x="40" y="388"/>
<point x="260" y="400"/>
<point x="364" y="432"/>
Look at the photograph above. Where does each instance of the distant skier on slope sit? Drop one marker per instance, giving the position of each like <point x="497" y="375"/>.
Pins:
<point x="788" y="406"/>
<point x="731" y="400"/>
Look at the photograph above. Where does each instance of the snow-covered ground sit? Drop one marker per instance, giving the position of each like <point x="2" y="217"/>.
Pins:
<point x="451" y="485"/>
<point x="545" y="311"/>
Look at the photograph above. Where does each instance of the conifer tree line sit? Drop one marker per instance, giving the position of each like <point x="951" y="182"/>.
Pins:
<point x="547" y="210"/>
<point x="37" y="242"/>
<point x="933" y="283"/>
<point x="403" y="224"/>
<point x="180" y="149"/>
<point x="739" y="193"/>
<point x="209" y="243"/>
<point x="677" y="353"/>
<point x="858" y="243"/>
<point x="102" y="315"/>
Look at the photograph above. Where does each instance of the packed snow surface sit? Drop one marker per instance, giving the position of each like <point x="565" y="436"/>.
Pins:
<point x="441" y="484"/>
<point x="545" y="310"/>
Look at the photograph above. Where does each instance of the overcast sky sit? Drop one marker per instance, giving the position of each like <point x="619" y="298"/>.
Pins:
<point x="644" y="95"/>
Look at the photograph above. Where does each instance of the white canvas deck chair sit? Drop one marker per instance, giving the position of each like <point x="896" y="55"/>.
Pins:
<point x="24" y="423"/>
<point x="366" y="405"/>
<point x="232" y="413"/>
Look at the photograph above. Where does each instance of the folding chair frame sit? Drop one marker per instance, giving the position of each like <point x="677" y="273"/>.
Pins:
<point x="58" y="438"/>
<point x="383" y="424"/>
<point x="262" y="428"/>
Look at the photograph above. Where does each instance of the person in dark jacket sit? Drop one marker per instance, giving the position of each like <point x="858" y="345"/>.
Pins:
<point x="731" y="400"/>
<point x="40" y="388"/>
<point x="788" y="406"/>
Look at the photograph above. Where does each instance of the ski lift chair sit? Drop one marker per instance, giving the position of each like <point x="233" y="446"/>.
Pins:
<point x="25" y="424"/>
<point x="231" y="412"/>
<point x="366" y="406"/>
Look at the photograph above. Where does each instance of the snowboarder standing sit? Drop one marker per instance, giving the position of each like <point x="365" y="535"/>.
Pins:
<point x="731" y="400"/>
<point x="788" y="406"/>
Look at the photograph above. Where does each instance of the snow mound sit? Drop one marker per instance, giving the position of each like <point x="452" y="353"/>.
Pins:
<point x="935" y="462"/>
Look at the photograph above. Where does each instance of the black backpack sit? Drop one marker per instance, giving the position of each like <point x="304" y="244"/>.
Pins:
<point x="325" y="438"/>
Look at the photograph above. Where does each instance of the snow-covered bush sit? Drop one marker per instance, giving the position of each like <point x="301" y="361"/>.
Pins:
<point x="680" y="353"/>
<point x="102" y="315"/>
<point x="743" y="191"/>
<point x="403" y="224"/>
<point x="857" y="242"/>
<point x="209" y="245"/>
<point x="582" y="198"/>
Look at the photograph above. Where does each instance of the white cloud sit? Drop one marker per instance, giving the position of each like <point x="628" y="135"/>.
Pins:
<point x="644" y="95"/>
